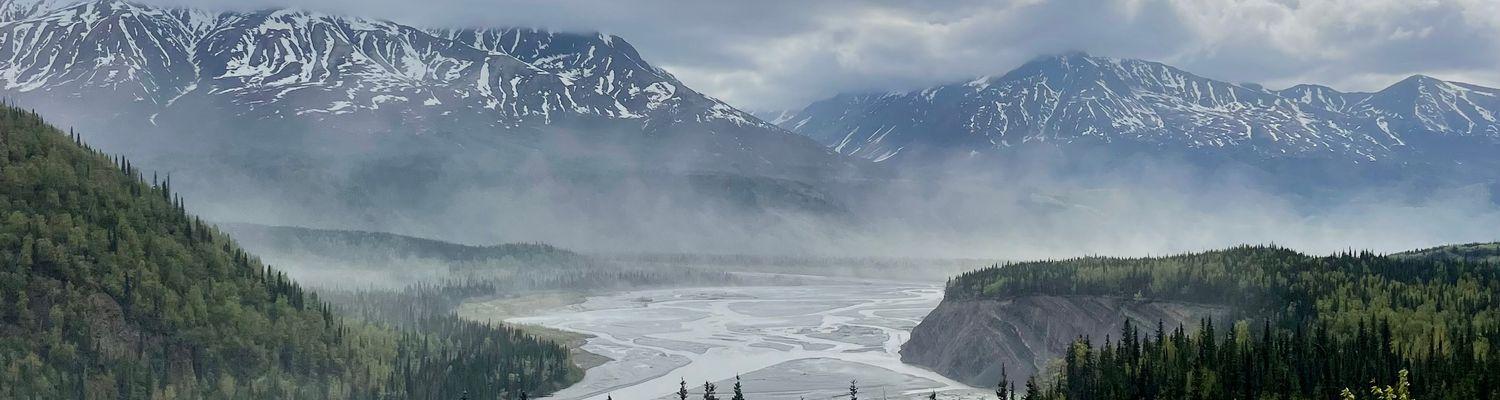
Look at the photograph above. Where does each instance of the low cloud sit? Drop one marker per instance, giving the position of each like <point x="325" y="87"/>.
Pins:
<point x="1030" y="208"/>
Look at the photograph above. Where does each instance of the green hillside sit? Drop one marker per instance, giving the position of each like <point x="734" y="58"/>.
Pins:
<point x="1307" y="328"/>
<point x="1489" y="252"/>
<point x="109" y="289"/>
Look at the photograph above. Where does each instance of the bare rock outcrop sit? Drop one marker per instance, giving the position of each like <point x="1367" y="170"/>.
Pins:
<point x="969" y="340"/>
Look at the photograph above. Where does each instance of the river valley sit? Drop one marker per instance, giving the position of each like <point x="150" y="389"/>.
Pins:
<point x="785" y="342"/>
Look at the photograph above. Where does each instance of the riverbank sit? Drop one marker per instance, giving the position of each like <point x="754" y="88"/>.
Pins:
<point x="499" y="309"/>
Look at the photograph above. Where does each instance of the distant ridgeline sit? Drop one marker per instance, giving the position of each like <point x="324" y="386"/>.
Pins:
<point x="379" y="247"/>
<point x="1309" y="327"/>
<point x="109" y="289"/>
<point x="462" y="269"/>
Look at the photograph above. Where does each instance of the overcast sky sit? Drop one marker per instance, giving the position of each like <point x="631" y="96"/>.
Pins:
<point x="774" y="54"/>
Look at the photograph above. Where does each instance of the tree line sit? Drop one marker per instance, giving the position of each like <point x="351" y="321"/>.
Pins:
<point x="1306" y="328"/>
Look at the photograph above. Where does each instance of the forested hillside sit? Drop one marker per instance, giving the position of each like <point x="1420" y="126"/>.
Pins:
<point x="1308" y="328"/>
<point x="1472" y="252"/>
<point x="109" y="289"/>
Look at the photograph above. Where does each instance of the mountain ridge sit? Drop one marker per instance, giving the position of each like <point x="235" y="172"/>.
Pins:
<point x="268" y="50"/>
<point x="358" y="119"/>
<point x="1076" y="98"/>
<point x="357" y="75"/>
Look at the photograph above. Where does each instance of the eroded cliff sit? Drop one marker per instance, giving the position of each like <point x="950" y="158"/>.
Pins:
<point x="969" y="340"/>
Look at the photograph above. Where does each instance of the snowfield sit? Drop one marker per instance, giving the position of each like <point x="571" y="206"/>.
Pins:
<point x="784" y="342"/>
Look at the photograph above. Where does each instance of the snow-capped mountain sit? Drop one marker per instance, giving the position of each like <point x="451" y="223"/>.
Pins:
<point x="1425" y="105"/>
<point x="167" y="67"/>
<point x="345" y="121"/>
<point x="1080" y="99"/>
<point x="604" y="65"/>
<point x="280" y="62"/>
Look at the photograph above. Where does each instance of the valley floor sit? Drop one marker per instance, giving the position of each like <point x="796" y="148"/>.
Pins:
<point x="502" y="308"/>
<point x="785" y="342"/>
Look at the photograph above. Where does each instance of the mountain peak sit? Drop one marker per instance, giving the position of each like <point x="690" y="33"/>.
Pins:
<point x="1309" y="87"/>
<point x="1066" y="55"/>
<point x="1425" y="103"/>
<point x="1420" y="80"/>
<point x="1068" y="61"/>
<point x="1312" y="93"/>
<point x="1321" y="97"/>
<point x="1411" y="88"/>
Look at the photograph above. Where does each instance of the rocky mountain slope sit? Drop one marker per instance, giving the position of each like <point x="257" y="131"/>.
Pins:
<point x="330" y="118"/>
<point x="1078" y="100"/>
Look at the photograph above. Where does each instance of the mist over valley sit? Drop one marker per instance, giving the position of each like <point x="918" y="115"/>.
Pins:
<point x="305" y="199"/>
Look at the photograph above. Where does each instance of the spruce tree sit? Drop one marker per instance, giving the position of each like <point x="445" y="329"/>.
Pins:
<point x="682" y="392"/>
<point x="708" y="391"/>
<point x="853" y="390"/>
<point x="739" y="393"/>
<point x="1000" y="391"/>
<point x="1033" y="392"/>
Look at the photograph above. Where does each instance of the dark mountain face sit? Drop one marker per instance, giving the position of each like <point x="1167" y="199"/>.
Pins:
<point x="349" y="115"/>
<point x="1077" y="100"/>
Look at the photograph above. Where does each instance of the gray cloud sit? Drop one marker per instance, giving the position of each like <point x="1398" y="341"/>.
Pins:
<point x="782" y="53"/>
